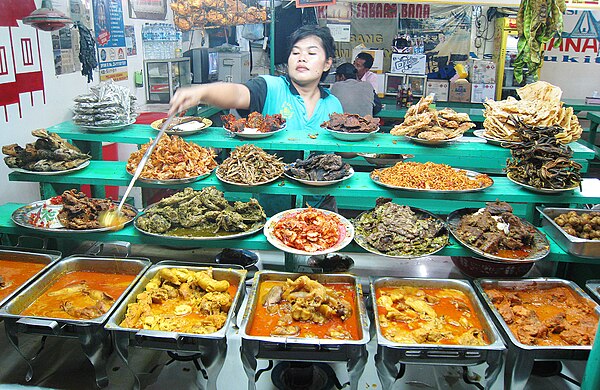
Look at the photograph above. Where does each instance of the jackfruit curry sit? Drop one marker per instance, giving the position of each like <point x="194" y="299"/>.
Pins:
<point x="14" y="273"/>
<point x="181" y="300"/>
<point x="413" y="315"/>
<point x="305" y="308"/>
<point x="80" y="295"/>
<point x="546" y="317"/>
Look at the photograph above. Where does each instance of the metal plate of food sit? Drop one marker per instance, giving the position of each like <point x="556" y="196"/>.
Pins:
<point x="481" y="133"/>
<point x="382" y="160"/>
<point x="251" y="133"/>
<point x="186" y="125"/>
<point x="315" y="231"/>
<point x="573" y="242"/>
<point x="270" y="292"/>
<point x="223" y="281"/>
<point x="432" y="142"/>
<point x="416" y="301"/>
<point x="471" y="175"/>
<point x="593" y="286"/>
<point x="540" y="190"/>
<point x="538" y="300"/>
<point x="535" y="245"/>
<point x="232" y="183"/>
<point x="18" y="266"/>
<point x="183" y="180"/>
<point x="316" y="183"/>
<point x="53" y="173"/>
<point x="351" y="136"/>
<point x="424" y="232"/>
<point x="212" y="217"/>
<point x="78" y="289"/>
<point x="106" y="129"/>
<point x="41" y="215"/>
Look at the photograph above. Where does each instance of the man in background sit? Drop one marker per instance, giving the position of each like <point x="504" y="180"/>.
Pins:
<point x="363" y="63"/>
<point x="357" y="97"/>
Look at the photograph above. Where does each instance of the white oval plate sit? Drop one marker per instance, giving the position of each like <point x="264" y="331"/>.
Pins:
<point x="201" y="124"/>
<point x="52" y="173"/>
<point x="470" y="174"/>
<point x="345" y="136"/>
<point x="492" y="140"/>
<point x="540" y="190"/>
<point x="106" y="129"/>
<point x="244" y="184"/>
<point x="183" y="180"/>
<point x="251" y="133"/>
<point x="316" y="183"/>
<point x="345" y="228"/>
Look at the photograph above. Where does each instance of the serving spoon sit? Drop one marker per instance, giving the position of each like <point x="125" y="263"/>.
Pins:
<point x="114" y="218"/>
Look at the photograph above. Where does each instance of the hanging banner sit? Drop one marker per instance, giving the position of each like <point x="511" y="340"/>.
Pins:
<point x="110" y="38"/>
<point x="577" y="54"/>
<point x="571" y="4"/>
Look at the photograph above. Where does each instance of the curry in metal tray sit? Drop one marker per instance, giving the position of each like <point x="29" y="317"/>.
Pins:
<point x="14" y="273"/>
<point x="414" y="315"/>
<point x="546" y="316"/>
<point x="182" y="300"/>
<point x="305" y="308"/>
<point x="80" y="295"/>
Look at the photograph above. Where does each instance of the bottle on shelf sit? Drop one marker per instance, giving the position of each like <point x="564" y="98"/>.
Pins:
<point x="409" y="97"/>
<point x="400" y="96"/>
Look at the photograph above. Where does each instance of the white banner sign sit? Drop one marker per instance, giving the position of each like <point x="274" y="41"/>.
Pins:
<point x="409" y="63"/>
<point x="340" y="32"/>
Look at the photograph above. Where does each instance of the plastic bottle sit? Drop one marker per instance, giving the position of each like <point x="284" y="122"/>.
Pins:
<point x="409" y="97"/>
<point x="400" y="96"/>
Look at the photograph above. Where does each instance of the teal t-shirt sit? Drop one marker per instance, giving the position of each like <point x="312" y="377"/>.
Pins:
<point x="283" y="98"/>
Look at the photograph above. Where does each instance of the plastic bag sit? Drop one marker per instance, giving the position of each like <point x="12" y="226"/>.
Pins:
<point x="253" y="32"/>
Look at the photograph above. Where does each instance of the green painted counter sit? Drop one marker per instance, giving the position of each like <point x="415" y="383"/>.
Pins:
<point x="594" y="118"/>
<point x="256" y="241"/>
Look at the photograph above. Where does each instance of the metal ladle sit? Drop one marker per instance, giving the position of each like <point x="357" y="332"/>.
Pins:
<point x="114" y="218"/>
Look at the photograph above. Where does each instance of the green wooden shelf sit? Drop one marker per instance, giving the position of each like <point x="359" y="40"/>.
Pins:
<point x="256" y="241"/>
<point x="359" y="186"/>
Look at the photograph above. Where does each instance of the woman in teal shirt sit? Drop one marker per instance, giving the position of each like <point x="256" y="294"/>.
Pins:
<point x="296" y="96"/>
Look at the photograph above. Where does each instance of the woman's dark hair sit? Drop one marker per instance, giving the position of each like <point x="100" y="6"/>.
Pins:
<point x="322" y="33"/>
<point x="347" y="70"/>
<point x="368" y="59"/>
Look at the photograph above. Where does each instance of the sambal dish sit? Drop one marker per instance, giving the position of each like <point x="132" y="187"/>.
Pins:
<point x="80" y="295"/>
<point x="305" y="308"/>
<point x="554" y="316"/>
<point x="181" y="300"/>
<point x="414" y="315"/>
<point x="14" y="273"/>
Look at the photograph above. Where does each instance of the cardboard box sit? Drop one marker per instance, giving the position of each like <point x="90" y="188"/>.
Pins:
<point x="414" y="64"/>
<point x="377" y="58"/>
<point x="460" y="91"/>
<point x="482" y="71"/>
<point x="439" y="88"/>
<point x="480" y="92"/>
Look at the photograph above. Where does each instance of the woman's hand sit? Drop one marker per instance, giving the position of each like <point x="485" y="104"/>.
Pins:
<point x="185" y="98"/>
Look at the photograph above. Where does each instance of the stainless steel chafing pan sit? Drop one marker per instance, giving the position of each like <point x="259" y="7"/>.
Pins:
<point x="389" y="353"/>
<point x="576" y="246"/>
<point x="46" y="257"/>
<point x="299" y="348"/>
<point x="593" y="286"/>
<point x="520" y="357"/>
<point x="212" y="347"/>
<point x="94" y="340"/>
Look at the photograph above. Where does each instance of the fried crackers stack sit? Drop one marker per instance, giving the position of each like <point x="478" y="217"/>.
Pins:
<point x="540" y="105"/>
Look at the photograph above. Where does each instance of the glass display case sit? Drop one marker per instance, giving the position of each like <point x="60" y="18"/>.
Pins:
<point x="163" y="77"/>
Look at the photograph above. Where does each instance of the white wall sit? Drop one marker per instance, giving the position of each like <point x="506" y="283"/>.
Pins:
<point x="60" y="91"/>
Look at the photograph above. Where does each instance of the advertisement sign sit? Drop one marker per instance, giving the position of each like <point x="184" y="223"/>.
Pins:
<point x="110" y="39"/>
<point x="409" y="64"/>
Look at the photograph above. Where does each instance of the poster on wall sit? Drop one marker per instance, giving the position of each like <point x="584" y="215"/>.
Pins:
<point x="130" y="40"/>
<point x="110" y="39"/>
<point x="576" y="54"/>
<point x="65" y="42"/>
<point x="147" y="9"/>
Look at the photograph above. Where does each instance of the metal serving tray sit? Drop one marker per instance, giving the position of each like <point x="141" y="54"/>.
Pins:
<point x="211" y="348"/>
<point x="354" y="352"/>
<point x="389" y="353"/>
<point x="520" y="357"/>
<point x="28" y="256"/>
<point x="576" y="246"/>
<point x="592" y="286"/>
<point x="94" y="340"/>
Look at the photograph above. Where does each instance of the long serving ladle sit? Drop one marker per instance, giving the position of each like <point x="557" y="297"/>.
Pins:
<point x="114" y="218"/>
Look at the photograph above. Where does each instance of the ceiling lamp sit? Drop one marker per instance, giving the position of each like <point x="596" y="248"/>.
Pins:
<point x="47" y="18"/>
